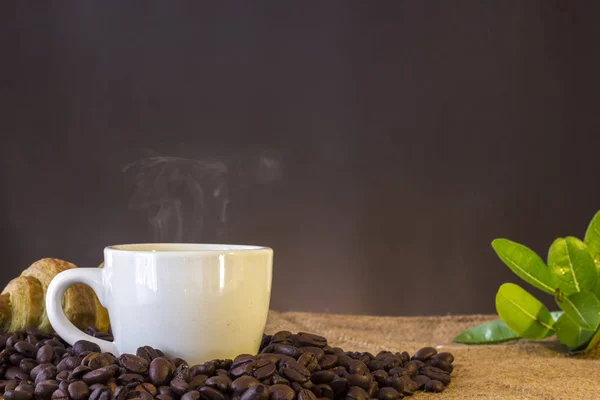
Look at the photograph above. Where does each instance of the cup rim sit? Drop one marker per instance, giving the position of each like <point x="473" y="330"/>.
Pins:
<point x="179" y="248"/>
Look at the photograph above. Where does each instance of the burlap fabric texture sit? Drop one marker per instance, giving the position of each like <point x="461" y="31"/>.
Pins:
<point x="515" y="370"/>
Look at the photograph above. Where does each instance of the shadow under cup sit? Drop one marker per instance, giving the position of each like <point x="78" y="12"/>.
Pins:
<point x="194" y="301"/>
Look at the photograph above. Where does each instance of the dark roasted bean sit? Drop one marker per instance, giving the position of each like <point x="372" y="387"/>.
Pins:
<point x="242" y="359"/>
<point x="219" y="382"/>
<point x="280" y="336"/>
<point x="191" y="395"/>
<point x="257" y="392"/>
<point x="380" y="376"/>
<point x="294" y="375"/>
<point x="359" y="380"/>
<point x="265" y="372"/>
<point x="434" y="386"/>
<point x="133" y="363"/>
<point x="388" y="393"/>
<point x="27" y="364"/>
<point x="16" y="373"/>
<point x="310" y="339"/>
<point x="296" y="386"/>
<point x="323" y="390"/>
<point x="15" y="358"/>
<point x="79" y="372"/>
<point x="373" y="390"/>
<point x="207" y="369"/>
<point x="62" y="376"/>
<point x="45" y="354"/>
<point x="100" y="394"/>
<point x="167" y="397"/>
<point x="243" y="383"/>
<point x="44" y="390"/>
<point x="339" y="386"/>
<point x="24" y="387"/>
<point x="324" y="376"/>
<point x="444" y="356"/>
<point x="179" y="386"/>
<point x="277" y="379"/>
<point x="420" y="380"/>
<point x="100" y="375"/>
<point x="411" y="368"/>
<point x="68" y="363"/>
<point x="358" y="367"/>
<point x="197" y="382"/>
<point x="18" y="395"/>
<point x="148" y="388"/>
<point x="78" y="390"/>
<point x="138" y="395"/>
<point x="60" y="394"/>
<point x="26" y="349"/>
<point x="328" y="361"/>
<point x="85" y="345"/>
<point x="291" y="351"/>
<point x="210" y="393"/>
<point x="441" y="364"/>
<point x="281" y="392"/>
<point x="424" y="353"/>
<point x="306" y="394"/>
<point x="160" y="371"/>
<point x="409" y="386"/>
<point x="147" y="353"/>
<point x="318" y="352"/>
<point x="436" y="374"/>
<point x="166" y="390"/>
<point x="357" y="393"/>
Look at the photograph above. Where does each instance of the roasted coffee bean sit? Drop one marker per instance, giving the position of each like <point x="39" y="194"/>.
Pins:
<point x="396" y="383"/>
<point x="265" y="372"/>
<point x="160" y="371"/>
<point x="148" y="388"/>
<point x="83" y="345"/>
<point x="24" y="387"/>
<point x="328" y="361"/>
<point x="78" y="390"/>
<point x="420" y="380"/>
<point x="266" y="339"/>
<point x="18" y="395"/>
<point x="11" y="385"/>
<point x="277" y="379"/>
<point x="183" y="372"/>
<point x="288" y="350"/>
<point x="179" y="386"/>
<point x="309" y="339"/>
<point x="424" y="353"/>
<point x="306" y="394"/>
<point x="219" y="382"/>
<point x="322" y="390"/>
<point x="209" y="393"/>
<point x="16" y="358"/>
<point x="133" y="363"/>
<point x="207" y="369"/>
<point x="26" y="349"/>
<point x="441" y="364"/>
<point x="27" y="364"/>
<point x="100" y="394"/>
<point x="357" y="393"/>
<point x="100" y="375"/>
<point x="444" y="356"/>
<point x="68" y="363"/>
<point x="308" y="385"/>
<point x="388" y="393"/>
<point x="411" y="368"/>
<point x="280" y="336"/>
<point x="166" y="390"/>
<point x="318" y="352"/>
<point x="167" y="397"/>
<point x="16" y="373"/>
<point x="274" y="358"/>
<point x="379" y="376"/>
<point x="294" y="375"/>
<point x="344" y="360"/>
<point x="197" y="382"/>
<point x="434" y="386"/>
<point x="296" y="386"/>
<point x="307" y="358"/>
<point x="358" y="367"/>
<point x="79" y="372"/>
<point x="60" y="395"/>
<point x="359" y="380"/>
<point x="221" y="371"/>
<point x="191" y="395"/>
<point x="138" y="395"/>
<point x="257" y="392"/>
<point x="14" y="338"/>
<point x="373" y="390"/>
<point x="339" y="386"/>
<point x="61" y="376"/>
<point x="409" y="386"/>
<point x="340" y="371"/>
<point x="436" y="374"/>
<point x="243" y="383"/>
<point x="64" y="385"/>
<point x="324" y="376"/>
<point x="242" y="359"/>
<point x="45" y="354"/>
<point x="44" y="390"/>
<point x="96" y="386"/>
<point x="281" y="392"/>
<point x="120" y="393"/>
<point x="147" y="353"/>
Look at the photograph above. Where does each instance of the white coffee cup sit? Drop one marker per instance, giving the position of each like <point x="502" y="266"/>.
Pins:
<point x="195" y="301"/>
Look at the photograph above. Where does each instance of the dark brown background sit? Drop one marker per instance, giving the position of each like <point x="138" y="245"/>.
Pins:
<point x="383" y="145"/>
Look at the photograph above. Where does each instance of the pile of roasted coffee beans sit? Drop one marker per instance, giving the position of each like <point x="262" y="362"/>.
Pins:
<point x="35" y="365"/>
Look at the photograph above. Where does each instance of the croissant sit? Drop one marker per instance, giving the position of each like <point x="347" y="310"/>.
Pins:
<point x="22" y="302"/>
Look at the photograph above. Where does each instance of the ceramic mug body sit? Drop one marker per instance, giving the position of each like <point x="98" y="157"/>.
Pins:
<point x="194" y="301"/>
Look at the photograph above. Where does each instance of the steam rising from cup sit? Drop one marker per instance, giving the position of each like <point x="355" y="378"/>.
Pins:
<point x="188" y="200"/>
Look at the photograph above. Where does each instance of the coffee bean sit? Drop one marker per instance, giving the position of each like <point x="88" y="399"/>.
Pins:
<point x="24" y="387"/>
<point x="411" y="368"/>
<point x="420" y="380"/>
<point x="16" y="373"/>
<point x="126" y="379"/>
<point x="100" y="375"/>
<point x="396" y="383"/>
<point x="277" y="379"/>
<point x="166" y="390"/>
<point x="409" y="386"/>
<point x="61" y="376"/>
<point x="309" y="339"/>
<point x="318" y="352"/>
<point x="167" y="397"/>
<point x="197" y="382"/>
<point x="160" y="371"/>
<point x="219" y="382"/>
<point x="147" y="353"/>
<point x="294" y="375"/>
<point x="358" y="367"/>
<point x="243" y="383"/>
<point x="280" y="336"/>
<point x="281" y="392"/>
<point x="359" y="380"/>
<point x="441" y="364"/>
<point x="79" y="372"/>
<point x="26" y="349"/>
<point x="207" y="369"/>
<point x="10" y="385"/>
<point x="191" y="395"/>
<point x="328" y="361"/>
<point x="265" y="372"/>
<point x="60" y="395"/>
<point x="434" y="386"/>
<point x="288" y="350"/>
<point x="44" y="390"/>
<point x="436" y="374"/>
<point x="424" y="353"/>
<point x="309" y="360"/>
<point x="27" y="364"/>
<point x="257" y="392"/>
<point x="78" y="390"/>
<point x="339" y="386"/>
<point x="16" y="358"/>
<point x="18" y="395"/>
<point x="64" y="385"/>
<point x="274" y="358"/>
<point x="296" y="386"/>
<point x="138" y="395"/>
<point x="68" y="364"/>
<point x="444" y="356"/>
<point x="379" y="376"/>
<point x="100" y="394"/>
<point x="45" y="354"/>
<point x="344" y="360"/>
<point x="85" y="345"/>
<point x="148" y="388"/>
<point x="305" y="394"/>
<point x="133" y="363"/>
<point x="357" y="393"/>
<point x="179" y="386"/>
<point x="209" y="393"/>
<point x="242" y="359"/>
<point x="324" y="376"/>
<point x="183" y="372"/>
<point x="323" y="390"/>
<point x="388" y="393"/>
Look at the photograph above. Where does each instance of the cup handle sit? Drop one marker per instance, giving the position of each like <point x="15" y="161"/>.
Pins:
<point x="56" y="315"/>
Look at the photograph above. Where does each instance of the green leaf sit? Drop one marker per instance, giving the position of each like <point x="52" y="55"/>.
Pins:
<point x="570" y="333"/>
<point x="572" y="265"/>
<point x="525" y="263"/>
<point x="594" y="341"/>
<point x="487" y="333"/>
<point x="592" y="240"/>
<point x="523" y="314"/>
<point x="583" y="308"/>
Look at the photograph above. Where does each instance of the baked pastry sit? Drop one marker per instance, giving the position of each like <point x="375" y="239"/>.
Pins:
<point x="22" y="302"/>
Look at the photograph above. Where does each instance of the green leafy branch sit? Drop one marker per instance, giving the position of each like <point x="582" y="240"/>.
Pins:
<point x="571" y="275"/>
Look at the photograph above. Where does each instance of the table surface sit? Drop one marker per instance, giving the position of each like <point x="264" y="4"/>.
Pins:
<point x="516" y="370"/>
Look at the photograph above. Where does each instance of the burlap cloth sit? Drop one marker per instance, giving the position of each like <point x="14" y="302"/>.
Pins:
<point x="517" y="370"/>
